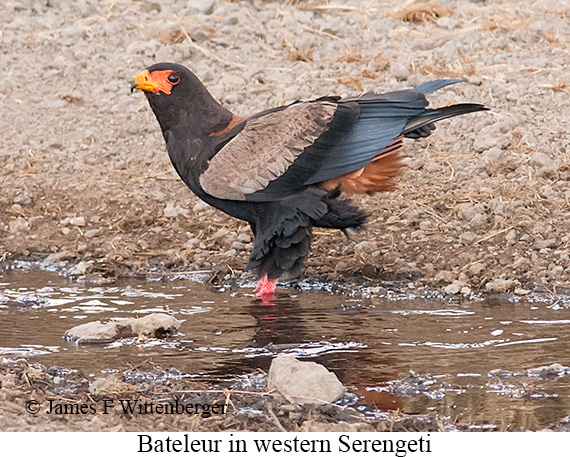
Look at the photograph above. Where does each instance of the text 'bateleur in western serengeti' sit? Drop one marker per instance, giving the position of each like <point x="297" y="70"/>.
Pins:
<point x="284" y="170"/>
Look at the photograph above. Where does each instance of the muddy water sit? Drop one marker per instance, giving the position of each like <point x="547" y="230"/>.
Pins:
<point x="474" y="361"/>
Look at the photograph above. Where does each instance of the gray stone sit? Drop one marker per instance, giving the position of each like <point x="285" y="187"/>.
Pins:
<point x="501" y="285"/>
<point x="365" y="246"/>
<point x="19" y="225"/>
<point x="543" y="164"/>
<point x="477" y="268"/>
<point x="447" y="23"/>
<point x="543" y="244"/>
<point x="92" y="233"/>
<point x="172" y="212"/>
<point x="78" y="221"/>
<point x="200" y="207"/>
<point x="467" y="238"/>
<point x="155" y="325"/>
<point x="22" y="199"/>
<point x="201" y="7"/>
<point x="400" y="71"/>
<point x="112" y="384"/>
<point x="303" y="382"/>
<point x="454" y="288"/>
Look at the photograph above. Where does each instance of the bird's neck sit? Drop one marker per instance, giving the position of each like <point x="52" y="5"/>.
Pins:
<point x="200" y="117"/>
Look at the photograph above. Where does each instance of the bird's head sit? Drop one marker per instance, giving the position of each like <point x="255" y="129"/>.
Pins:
<point x="161" y="78"/>
<point x="178" y="98"/>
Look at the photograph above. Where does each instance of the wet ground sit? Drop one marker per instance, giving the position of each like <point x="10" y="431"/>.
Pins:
<point x="498" y="362"/>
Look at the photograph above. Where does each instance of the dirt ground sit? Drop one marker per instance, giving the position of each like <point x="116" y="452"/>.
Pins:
<point x="484" y="205"/>
<point x="248" y="407"/>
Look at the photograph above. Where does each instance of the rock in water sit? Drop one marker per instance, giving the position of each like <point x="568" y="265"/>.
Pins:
<point x="303" y="382"/>
<point x="156" y="325"/>
<point x="93" y="332"/>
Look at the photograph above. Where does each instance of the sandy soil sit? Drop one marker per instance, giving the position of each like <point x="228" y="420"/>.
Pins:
<point x="483" y="206"/>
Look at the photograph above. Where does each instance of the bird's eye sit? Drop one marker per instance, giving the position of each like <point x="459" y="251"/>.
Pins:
<point x="173" y="78"/>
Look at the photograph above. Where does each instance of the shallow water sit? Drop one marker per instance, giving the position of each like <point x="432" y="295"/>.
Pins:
<point x="471" y="361"/>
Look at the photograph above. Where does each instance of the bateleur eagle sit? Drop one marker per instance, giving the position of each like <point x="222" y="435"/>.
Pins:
<point x="284" y="170"/>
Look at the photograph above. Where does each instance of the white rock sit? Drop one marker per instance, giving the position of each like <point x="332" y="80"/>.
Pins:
<point x="201" y="7"/>
<point x="447" y="22"/>
<point x="93" y="332"/>
<point x="78" y="221"/>
<point x="303" y="382"/>
<point x="172" y="212"/>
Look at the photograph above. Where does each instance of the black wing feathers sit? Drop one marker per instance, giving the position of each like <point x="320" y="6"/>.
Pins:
<point x="313" y="157"/>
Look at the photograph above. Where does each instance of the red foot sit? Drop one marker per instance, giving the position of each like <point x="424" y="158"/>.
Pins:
<point x="265" y="287"/>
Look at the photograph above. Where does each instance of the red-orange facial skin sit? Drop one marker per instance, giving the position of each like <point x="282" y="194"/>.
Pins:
<point x="155" y="82"/>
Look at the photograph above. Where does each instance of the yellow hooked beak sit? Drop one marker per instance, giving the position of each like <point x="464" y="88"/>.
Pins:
<point x="155" y="82"/>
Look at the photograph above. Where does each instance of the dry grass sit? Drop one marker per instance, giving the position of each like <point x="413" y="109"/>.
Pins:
<point x="172" y="35"/>
<point x="504" y="24"/>
<point x="352" y="82"/>
<point x="558" y="86"/>
<point x="71" y="97"/>
<point x="294" y="54"/>
<point x="350" y="57"/>
<point x="362" y="60"/>
<point x="443" y="68"/>
<point x="423" y="12"/>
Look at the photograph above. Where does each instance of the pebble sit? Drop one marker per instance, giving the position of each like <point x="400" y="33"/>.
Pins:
<point x="465" y="291"/>
<point x="91" y="233"/>
<point x="78" y="221"/>
<point x="400" y="71"/>
<point x="22" y="199"/>
<point x="501" y="285"/>
<point x="16" y="209"/>
<point x="200" y="7"/>
<point x="543" y="164"/>
<point x="446" y="22"/>
<point x="80" y="269"/>
<point x="173" y="211"/>
<point x="200" y="207"/>
<point x="365" y="246"/>
<point x="544" y="244"/>
<point x="110" y="385"/>
<point x="454" y="288"/>
<point x="444" y="275"/>
<point x="18" y="225"/>
<point x="467" y="238"/>
<point x="521" y="291"/>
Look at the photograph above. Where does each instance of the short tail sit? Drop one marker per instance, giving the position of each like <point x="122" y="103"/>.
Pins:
<point x="421" y="126"/>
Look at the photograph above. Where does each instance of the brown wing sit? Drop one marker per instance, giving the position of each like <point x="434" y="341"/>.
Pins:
<point x="265" y="149"/>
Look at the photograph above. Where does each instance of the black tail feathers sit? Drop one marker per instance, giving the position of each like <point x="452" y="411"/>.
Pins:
<point x="341" y="214"/>
<point x="420" y="126"/>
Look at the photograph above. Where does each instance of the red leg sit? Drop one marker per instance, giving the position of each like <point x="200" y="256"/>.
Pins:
<point x="265" y="287"/>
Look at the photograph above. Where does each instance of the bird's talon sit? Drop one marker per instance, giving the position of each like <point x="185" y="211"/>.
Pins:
<point x="265" y="286"/>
